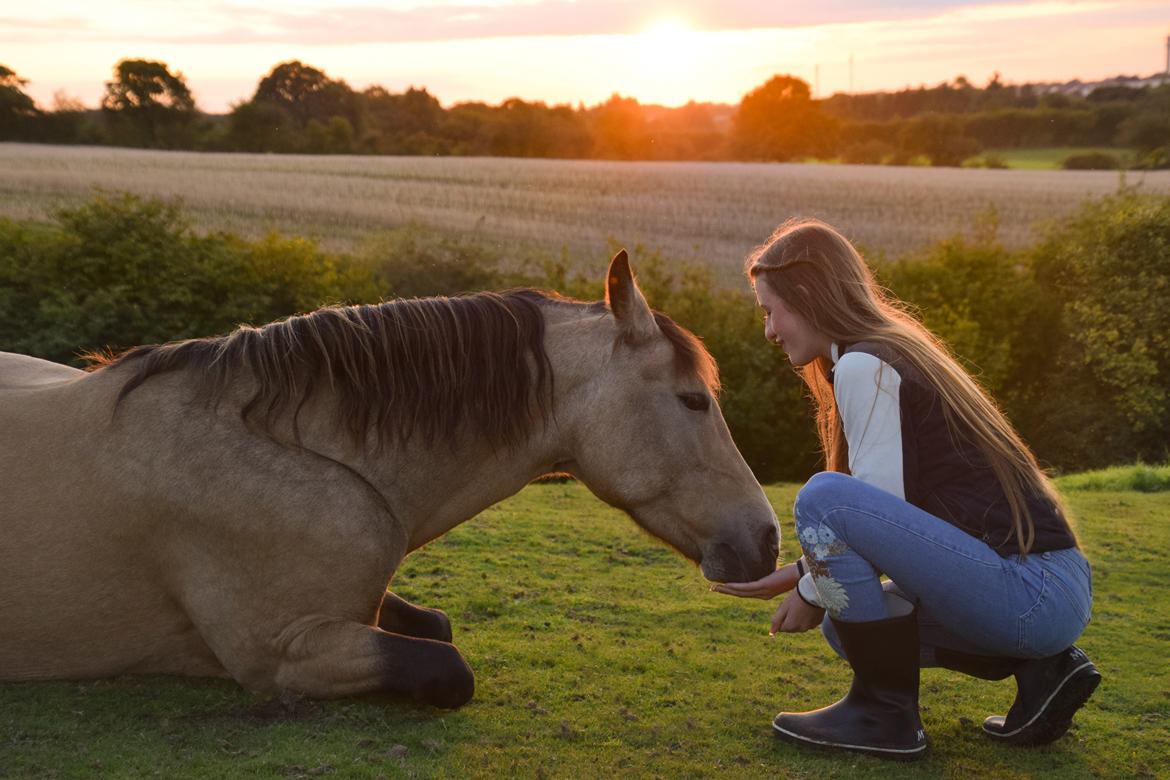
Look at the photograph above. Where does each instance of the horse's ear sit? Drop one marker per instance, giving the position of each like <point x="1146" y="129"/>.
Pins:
<point x="626" y="301"/>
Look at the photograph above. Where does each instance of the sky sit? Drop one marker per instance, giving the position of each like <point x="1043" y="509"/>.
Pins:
<point x="580" y="51"/>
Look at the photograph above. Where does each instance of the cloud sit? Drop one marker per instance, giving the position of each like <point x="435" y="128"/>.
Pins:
<point x="317" y="23"/>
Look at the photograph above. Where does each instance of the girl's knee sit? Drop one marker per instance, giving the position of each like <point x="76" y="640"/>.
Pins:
<point x="818" y="494"/>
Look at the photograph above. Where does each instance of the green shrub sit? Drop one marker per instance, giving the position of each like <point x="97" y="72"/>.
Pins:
<point x="121" y="271"/>
<point x="1091" y="161"/>
<point x="1071" y="336"/>
<point x="1109" y="397"/>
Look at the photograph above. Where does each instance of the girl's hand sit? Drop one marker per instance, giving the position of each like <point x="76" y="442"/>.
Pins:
<point x="780" y="581"/>
<point x="795" y="615"/>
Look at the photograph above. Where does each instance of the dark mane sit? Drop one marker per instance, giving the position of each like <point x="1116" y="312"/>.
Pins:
<point x="690" y="356"/>
<point x="426" y="366"/>
<point x="420" y="366"/>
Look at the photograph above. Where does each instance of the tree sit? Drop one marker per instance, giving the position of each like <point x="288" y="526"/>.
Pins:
<point x="403" y="124"/>
<point x="619" y="130"/>
<point x="307" y="93"/>
<point x="149" y="105"/>
<point x="780" y="121"/>
<point x="16" y="108"/>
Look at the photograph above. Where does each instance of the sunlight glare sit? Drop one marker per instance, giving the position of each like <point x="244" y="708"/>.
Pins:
<point x="666" y="54"/>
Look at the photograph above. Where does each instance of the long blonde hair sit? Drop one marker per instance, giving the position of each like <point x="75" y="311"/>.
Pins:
<point x="820" y="275"/>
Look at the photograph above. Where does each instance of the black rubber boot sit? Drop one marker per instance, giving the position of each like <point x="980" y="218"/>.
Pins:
<point x="1049" y="692"/>
<point x="879" y="715"/>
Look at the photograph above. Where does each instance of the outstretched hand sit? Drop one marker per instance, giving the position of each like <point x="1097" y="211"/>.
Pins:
<point x="770" y="586"/>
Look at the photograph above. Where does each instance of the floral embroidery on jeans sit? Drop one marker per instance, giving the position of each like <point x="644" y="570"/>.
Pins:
<point x="819" y="543"/>
<point x="833" y="595"/>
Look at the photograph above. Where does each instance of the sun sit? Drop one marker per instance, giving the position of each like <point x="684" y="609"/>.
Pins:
<point x="670" y="27"/>
<point x="665" y="48"/>
<point x="667" y="37"/>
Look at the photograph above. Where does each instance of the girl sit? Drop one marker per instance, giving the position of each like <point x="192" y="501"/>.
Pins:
<point x="928" y="484"/>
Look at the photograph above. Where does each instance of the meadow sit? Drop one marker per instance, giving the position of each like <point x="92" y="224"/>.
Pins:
<point x="707" y="212"/>
<point x="599" y="653"/>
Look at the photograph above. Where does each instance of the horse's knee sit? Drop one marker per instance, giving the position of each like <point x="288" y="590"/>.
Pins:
<point x="347" y="659"/>
<point x="401" y="617"/>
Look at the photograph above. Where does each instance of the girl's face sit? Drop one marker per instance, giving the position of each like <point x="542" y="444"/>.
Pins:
<point x="789" y="330"/>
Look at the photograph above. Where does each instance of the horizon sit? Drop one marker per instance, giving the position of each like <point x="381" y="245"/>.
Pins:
<point x="565" y="52"/>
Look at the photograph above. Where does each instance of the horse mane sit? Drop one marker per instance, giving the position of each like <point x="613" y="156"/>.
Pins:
<point x="425" y="366"/>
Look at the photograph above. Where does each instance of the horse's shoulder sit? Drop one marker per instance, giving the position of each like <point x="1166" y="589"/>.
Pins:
<point x="21" y="372"/>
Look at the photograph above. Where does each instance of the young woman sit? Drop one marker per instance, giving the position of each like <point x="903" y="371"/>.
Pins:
<point x="929" y="485"/>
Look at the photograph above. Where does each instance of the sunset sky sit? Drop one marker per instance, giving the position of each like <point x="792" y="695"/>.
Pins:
<point x="570" y="51"/>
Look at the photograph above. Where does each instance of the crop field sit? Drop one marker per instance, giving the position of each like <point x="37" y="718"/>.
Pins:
<point x="710" y="212"/>
<point x="599" y="653"/>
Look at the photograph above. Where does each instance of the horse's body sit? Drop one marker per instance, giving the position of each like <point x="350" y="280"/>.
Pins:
<point x="153" y="520"/>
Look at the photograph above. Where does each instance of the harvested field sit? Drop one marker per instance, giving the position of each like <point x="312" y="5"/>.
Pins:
<point x="714" y="212"/>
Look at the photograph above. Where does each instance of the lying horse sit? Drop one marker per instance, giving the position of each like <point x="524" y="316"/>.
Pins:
<point x="236" y="506"/>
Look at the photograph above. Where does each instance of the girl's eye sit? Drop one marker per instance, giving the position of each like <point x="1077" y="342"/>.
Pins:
<point x="696" y="402"/>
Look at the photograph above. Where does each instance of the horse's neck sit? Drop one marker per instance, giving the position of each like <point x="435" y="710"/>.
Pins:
<point x="431" y="488"/>
<point x="448" y="486"/>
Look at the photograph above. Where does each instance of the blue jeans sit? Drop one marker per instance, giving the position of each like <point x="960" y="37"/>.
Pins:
<point x="968" y="597"/>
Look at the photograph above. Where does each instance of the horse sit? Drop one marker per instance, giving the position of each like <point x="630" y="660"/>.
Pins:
<point x="236" y="506"/>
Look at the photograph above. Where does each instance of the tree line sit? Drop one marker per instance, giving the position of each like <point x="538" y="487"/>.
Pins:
<point x="1071" y="335"/>
<point x="297" y="108"/>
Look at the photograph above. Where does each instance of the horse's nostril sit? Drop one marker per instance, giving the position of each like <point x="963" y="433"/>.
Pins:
<point x="771" y="546"/>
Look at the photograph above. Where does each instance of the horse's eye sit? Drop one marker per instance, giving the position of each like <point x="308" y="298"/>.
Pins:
<point x="696" y="402"/>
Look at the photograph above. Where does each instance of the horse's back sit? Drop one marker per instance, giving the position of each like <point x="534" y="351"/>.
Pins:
<point x="21" y="372"/>
<point x="75" y="585"/>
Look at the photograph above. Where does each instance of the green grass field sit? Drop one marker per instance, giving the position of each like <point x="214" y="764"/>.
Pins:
<point x="599" y="653"/>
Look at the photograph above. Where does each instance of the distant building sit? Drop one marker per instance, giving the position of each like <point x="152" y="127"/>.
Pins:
<point x="1082" y="88"/>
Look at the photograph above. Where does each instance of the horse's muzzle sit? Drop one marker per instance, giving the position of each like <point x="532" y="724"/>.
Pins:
<point x="741" y="558"/>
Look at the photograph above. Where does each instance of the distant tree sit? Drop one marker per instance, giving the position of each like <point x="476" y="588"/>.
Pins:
<point x="940" y="137"/>
<point x="307" y="93"/>
<point x="332" y="137"/>
<point x="780" y="121"/>
<point x="63" y="101"/>
<point x="16" y="108"/>
<point x="619" y="130"/>
<point x="148" y="105"/>
<point x="402" y="124"/>
<point x="262" y="127"/>
<point x="686" y="133"/>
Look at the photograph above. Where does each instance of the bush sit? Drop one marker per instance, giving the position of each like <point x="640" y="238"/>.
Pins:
<point x="871" y="152"/>
<point x="121" y="271"/>
<point x="1109" y="265"/>
<point x="1091" y="161"/>
<point x="1071" y="336"/>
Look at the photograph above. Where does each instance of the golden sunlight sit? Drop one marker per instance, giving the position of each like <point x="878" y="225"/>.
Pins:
<point x="666" y="54"/>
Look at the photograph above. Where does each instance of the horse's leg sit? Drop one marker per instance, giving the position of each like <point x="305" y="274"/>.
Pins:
<point x="399" y="616"/>
<point x="343" y="658"/>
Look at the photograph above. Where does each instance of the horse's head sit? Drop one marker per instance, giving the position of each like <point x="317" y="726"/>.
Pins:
<point x="648" y="437"/>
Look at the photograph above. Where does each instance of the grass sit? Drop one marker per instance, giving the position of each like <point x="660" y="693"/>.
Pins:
<point x="1140" y="478"/>
<point x="599" y="653"/>
<point x="712" y="212"/>
<point x="1050" y="158"/>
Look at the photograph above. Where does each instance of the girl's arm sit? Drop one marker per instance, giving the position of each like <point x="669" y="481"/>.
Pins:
<point x="868" y="394"/>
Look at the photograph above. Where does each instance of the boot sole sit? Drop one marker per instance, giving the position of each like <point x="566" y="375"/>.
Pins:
<point x="892" y="754"/>
<point x="1052" y="720"/>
